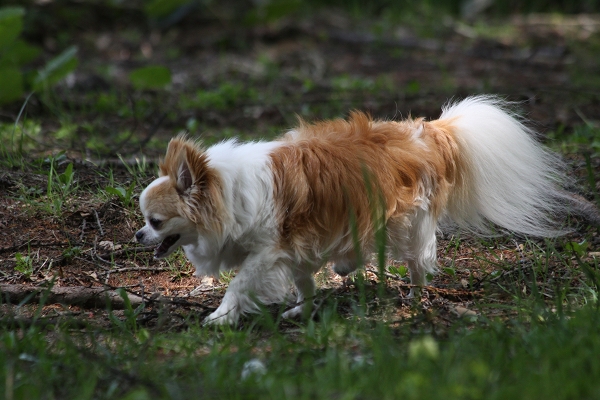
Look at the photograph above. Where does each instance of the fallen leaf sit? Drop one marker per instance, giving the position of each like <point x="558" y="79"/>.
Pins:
<point x="464" y="312"/>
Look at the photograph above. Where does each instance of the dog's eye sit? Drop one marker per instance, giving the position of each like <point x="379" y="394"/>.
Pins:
<point x="155" y="223"/>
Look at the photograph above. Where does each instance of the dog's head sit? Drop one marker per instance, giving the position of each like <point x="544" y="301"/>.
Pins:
<point x="184" y="202"/>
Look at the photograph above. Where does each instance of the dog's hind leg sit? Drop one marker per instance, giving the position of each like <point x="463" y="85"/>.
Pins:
<point x="417" y="246"/>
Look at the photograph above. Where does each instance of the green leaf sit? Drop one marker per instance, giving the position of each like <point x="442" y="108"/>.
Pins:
<point x="11" y="84"/>
<point x="116" y="191"/>
<point x="401" y="270"/>
<point x="151" y="77"/>
<point x="66" y="178"/>
<point x="19" y="53"/>
<point x="130" y="189"/>
<point x="450" y="271"/>
<point x="126" y="302"/>
<point x="578" y="248"/>
<point x="56" y="69"/>
<point x="24" y="264"/>
<point x="11" y="24"/>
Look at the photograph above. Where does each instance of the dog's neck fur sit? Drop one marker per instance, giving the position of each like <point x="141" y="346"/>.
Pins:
<point x="246" y="182"/>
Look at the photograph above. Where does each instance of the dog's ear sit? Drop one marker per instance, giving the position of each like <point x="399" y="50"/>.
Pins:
<point x="193" y="170"/>
<point x="198" y="184"/>
<point x="186" y="164"/>
<point x="170" y="165"/>
<point x="185" y="179"/>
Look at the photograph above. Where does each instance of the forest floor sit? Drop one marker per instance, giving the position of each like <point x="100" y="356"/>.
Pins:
<point x="66" y="235"/>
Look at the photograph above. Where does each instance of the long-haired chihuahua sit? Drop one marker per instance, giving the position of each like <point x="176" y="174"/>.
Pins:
<point x="279" y="210"/>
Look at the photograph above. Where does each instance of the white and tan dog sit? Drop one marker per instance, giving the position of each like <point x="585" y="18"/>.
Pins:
<point x="280" y="210"/>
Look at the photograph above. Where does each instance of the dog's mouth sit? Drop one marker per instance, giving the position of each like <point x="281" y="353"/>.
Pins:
<point x="163" y="248"/>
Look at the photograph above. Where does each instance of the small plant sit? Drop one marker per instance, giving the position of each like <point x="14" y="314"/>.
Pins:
<point x="24" y="264"/>
<point x="60" y="185"/>
<point x="65" y="179"/>
<point x="137" y="169"/>
<point x="449" y="271"/>
<point x="401" y="270"/>
<point x="578" y="249"/>
<point x="71" y="253"/>
<point x="16" y="139"/>
<point x="130" y="322"/>
<point x="125" y="195"/>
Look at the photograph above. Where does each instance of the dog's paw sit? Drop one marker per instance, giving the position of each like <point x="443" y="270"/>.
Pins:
<point x="294" y="313"/>
<point x="222" y="317"/>
<point x="301" y="311"/>
<point x="415" y="293"/>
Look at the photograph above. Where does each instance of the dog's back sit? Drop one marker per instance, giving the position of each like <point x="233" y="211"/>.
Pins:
<point x="337" y="177"/>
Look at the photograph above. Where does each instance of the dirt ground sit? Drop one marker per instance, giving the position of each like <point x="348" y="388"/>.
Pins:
<point x="89" y="243"/>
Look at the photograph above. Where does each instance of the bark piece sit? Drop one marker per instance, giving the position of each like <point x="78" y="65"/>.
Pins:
<point x="86" y="297"/>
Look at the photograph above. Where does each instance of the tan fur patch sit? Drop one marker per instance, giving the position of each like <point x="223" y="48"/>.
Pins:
<point x="331" y="174"/>
<point x="164" y="200"/>
<point x="452" y="165"/>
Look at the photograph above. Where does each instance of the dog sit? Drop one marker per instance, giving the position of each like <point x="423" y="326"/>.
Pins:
<point x="280" y="210"/>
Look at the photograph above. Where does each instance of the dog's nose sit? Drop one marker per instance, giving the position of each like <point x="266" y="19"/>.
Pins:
<point x="139" y="235"/>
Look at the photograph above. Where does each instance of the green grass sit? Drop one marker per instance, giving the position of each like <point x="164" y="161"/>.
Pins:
<point x="525" y="357"/>
<point x="539" y="342"/>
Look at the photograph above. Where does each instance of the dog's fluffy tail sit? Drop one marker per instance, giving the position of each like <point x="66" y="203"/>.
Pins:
<point x="507" y="177"/>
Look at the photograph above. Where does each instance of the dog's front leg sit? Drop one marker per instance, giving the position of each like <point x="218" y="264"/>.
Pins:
<point x="229" y="311"/>
<point x="305" y="285"/>
<point x="263" y="278"/>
